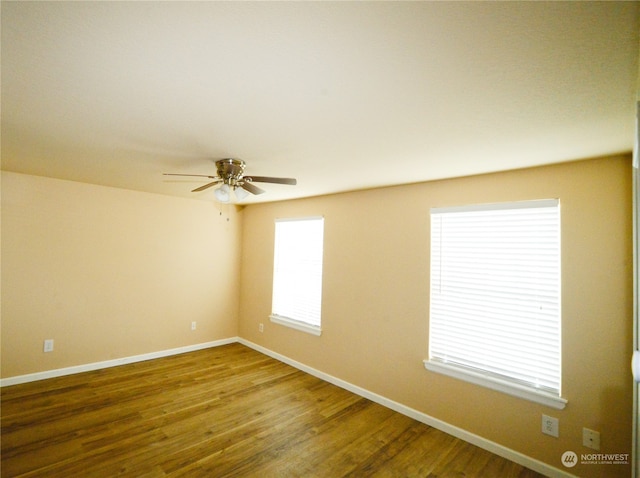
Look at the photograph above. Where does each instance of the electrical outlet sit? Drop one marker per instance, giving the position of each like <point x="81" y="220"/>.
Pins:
<point x="48" y="345"/>
<point x="193" y="325"/>
<point x="591" y="439"/>
<point x="550" y="426"/>
<point x="261" y="328"/>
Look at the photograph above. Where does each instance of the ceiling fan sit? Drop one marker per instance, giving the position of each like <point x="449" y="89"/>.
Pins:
<point x="230" y="176"/>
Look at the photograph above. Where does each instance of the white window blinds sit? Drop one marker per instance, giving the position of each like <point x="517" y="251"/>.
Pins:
<point x="495" y="292"/>
<point x="297" y="275"/>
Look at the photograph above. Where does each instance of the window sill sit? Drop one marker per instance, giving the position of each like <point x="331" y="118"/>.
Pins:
<point x="497" y="384"/>
<point x="296" y="324"/>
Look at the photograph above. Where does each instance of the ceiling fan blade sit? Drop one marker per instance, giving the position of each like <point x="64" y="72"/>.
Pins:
<point x="206" y="186"/>
<point x="192" y="175"/>
<point x="266" y="179"/>
<point x="247" y="186"/>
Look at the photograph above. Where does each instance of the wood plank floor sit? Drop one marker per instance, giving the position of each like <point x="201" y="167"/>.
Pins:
<point x="226" y="411"/>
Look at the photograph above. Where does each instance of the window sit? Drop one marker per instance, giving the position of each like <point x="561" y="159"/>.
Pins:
<point x="495" y="297"/>
<point x="297" y="273"/>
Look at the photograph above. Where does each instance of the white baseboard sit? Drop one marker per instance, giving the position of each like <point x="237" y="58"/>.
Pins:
<point x="32" y="377"/>
<point x="460" y="433"/>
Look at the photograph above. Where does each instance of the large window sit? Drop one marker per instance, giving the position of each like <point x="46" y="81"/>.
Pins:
<point x="297" y="273"/>
<point x="495" y="297"/>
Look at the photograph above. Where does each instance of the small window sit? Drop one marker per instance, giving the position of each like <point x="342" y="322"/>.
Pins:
<point x="495" y="297"/>
<point x="297" y="273"/>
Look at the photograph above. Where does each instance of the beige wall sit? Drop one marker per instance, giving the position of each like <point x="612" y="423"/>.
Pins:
<point x="376" y="302"/>
<point x="110" y="273"/>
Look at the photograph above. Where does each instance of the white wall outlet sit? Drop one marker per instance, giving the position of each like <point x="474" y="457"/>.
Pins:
<point x="48" y="345"/>
<point x="193" y="325"/>
<point x="261" y="328"/>
<point x="550" y="426"/>
<point x="591" y="439"/>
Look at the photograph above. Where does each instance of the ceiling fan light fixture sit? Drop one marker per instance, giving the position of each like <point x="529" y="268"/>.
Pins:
<point x="240" y="193"/>
<point x="222" y="193"/>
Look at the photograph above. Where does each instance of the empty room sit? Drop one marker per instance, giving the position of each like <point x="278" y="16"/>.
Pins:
<point x="319" y="239"/>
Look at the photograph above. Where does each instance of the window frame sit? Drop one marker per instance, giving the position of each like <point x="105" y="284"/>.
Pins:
<point x="487" y="378"/>
<point x="292" y="322"/>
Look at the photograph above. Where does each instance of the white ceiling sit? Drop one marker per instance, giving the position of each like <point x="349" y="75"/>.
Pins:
<point x="340" y="95"/>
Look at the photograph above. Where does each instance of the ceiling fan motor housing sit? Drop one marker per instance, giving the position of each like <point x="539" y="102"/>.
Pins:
<point x="230" y="170"/>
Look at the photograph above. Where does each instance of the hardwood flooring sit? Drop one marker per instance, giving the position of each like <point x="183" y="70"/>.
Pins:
<point x="221" y="412"/>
